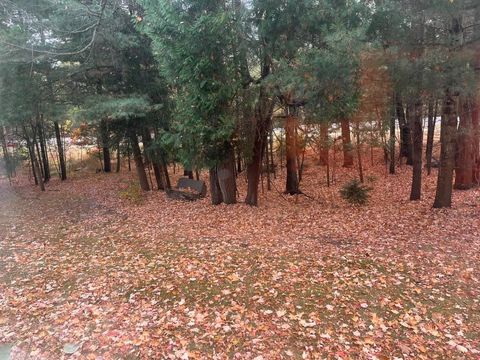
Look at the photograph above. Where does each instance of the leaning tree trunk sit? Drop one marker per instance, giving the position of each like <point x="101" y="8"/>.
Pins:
<point x="432" y="117"/>
<point x="292" y="162"/>
<point x="107" y="166"/>
<point x="347" y="144"/>
<point x="416" y="126"/>
<point x="61" y="153"/>
<point x="464" y="159"/>
<point x="137" y="157"/>
<point x="443" y="196"/>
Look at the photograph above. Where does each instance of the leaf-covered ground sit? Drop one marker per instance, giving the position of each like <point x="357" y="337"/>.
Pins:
<point x="86" y="270"/>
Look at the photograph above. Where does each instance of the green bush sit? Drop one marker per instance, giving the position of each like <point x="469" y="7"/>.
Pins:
<point x="355" y="192"/>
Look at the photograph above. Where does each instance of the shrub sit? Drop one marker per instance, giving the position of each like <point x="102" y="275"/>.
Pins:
<point x="355" y="192"/>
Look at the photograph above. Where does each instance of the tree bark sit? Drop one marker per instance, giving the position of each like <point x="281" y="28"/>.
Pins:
<point x="392" y="142"/>
<point x="215" y="191"/>
<point x="137" y="157"/>
<point x="416" y="126"/>
<point x="107" y="166"/>
<point x="346" y="144"/>
<point x="292" y="162"/>
<point x="432" y="117"/>
<point x="443" y="196"/>
<point x="226" y="178"/>
<point x="464" y="159"/>
<point x="476" y="142"/>
<point x="261" y="126"/>
<point x="6" y="154"/>
<point x="43" y="149"/>
<point x="323" y="144"/>
<point x="119" y="158"/>
<point x="147" y="141"/>
<point x="61" y="153"/>
<point x="405" y="138"/>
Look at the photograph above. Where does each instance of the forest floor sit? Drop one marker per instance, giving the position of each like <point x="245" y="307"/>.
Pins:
<point x="90" y="270"/>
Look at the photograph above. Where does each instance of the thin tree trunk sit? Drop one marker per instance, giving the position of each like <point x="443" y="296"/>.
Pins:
<point x="61" y="153"/>
<point x="405" y="138"/>
<point x="392" y="143"/>
<point x="292" y="164"/>
<point x="346" y="144"/>
<point x="359" y="152"/>
<point x="416" y="126"/>
<point x="119" y="158"/>
<point x="432" y="117"/>
<point x="38" y="156"/>
<point x="128" y="157"/>
<point x="476" y="141"/>
<point x="107" y="166"/>
<point x="31" y="144"/>
<point x="137" y="157"/>
<point x="147" y="141"/>
<point x="443" y="196"/>
<point x="43" y="149"/>
<point x="6" y="154"/>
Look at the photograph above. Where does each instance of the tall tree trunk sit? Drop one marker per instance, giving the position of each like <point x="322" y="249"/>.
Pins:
<point x="432" y="117"/>
<point x="261" y="126"/>
<point x="323" y="144"/>
<point x="417" y="127"/>
<point x="391" y="143"/>
<point x="61" y="153"/>
<point x="147" y="141"/>
<point x="359" y="152"/>
<point x="239" y="160"/>
<point x="443" y="196"/>
<point x="346" y="144"/>
<point x="104" y="136"/>
<point x="405" y="138"/>
<point x="137" y="157"/>
<point x="31" y="144"/>
<point x="292" y="162"/>
<point x="476" y="141"/>
<point x="464" y="159"/>
<point x="38" y="155"/>
<point x="43" y="149"/>
<point x="215" y="191"/>
<point x="6" y="154"/>
<point x="119" y="158"/>
<point x="165" y="176"/>
<point x="226" y="178"/>
<point x="31" y="153"/>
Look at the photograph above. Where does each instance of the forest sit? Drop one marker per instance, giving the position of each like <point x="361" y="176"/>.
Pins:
<point x="239" y="179"/>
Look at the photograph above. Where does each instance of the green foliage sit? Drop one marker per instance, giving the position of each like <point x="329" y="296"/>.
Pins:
<point x="355" y="192"/>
